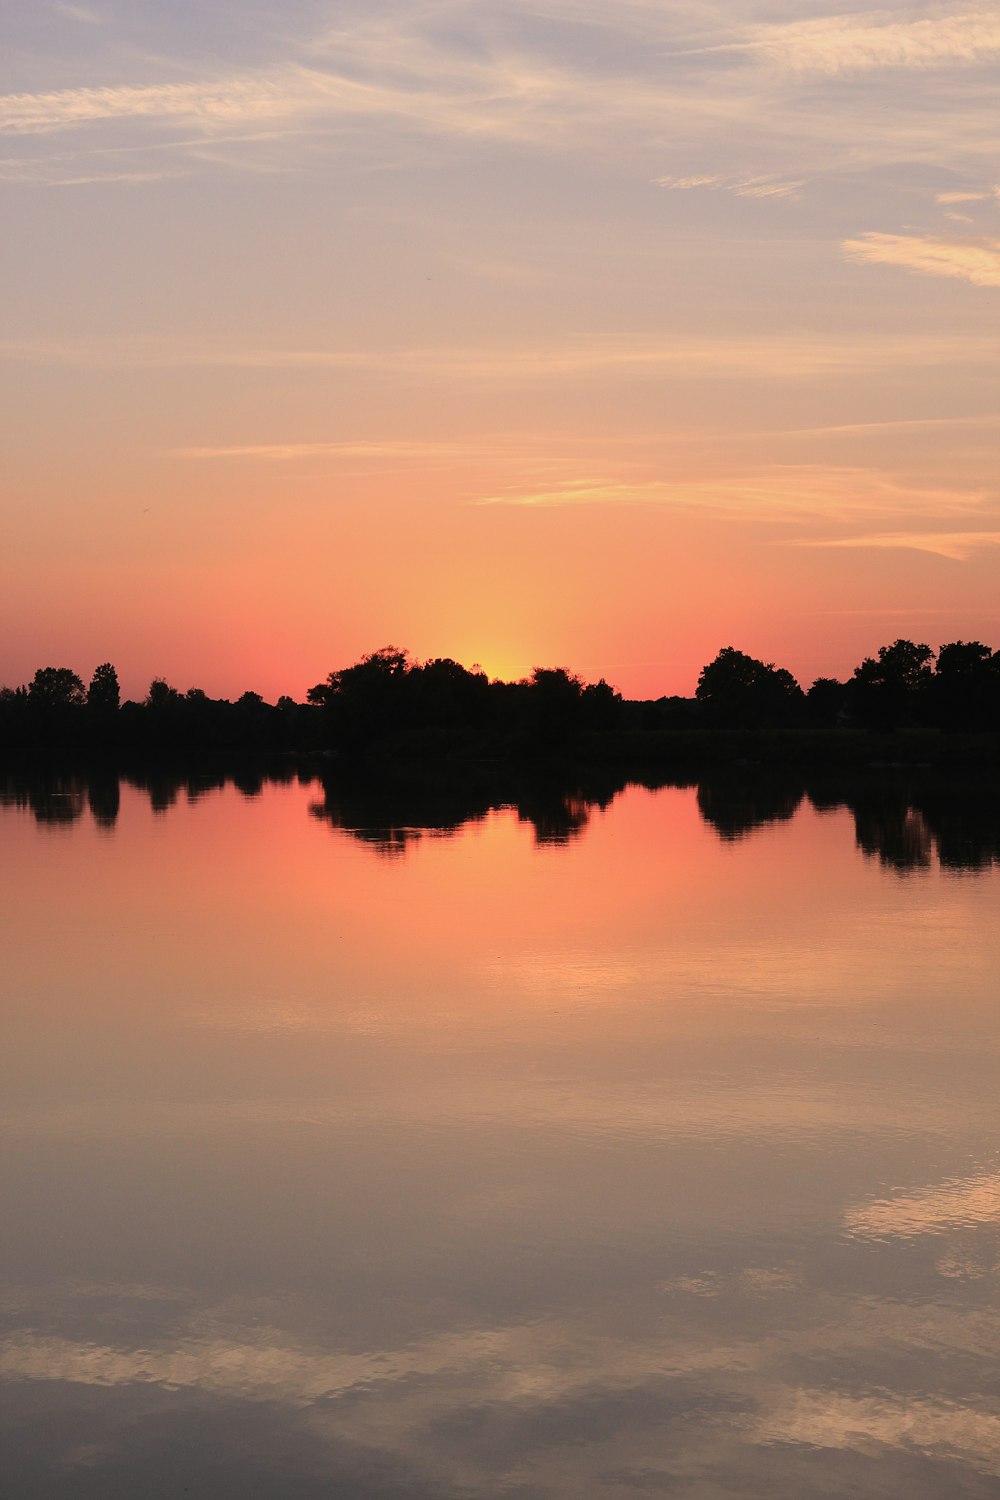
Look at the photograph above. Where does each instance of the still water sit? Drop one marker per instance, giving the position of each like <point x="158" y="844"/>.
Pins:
<point x="612" y="1142"/>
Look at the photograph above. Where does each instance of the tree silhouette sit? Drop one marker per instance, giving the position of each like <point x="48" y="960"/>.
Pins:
<point x="104" y="694"/>
<point x="889" y="691"/>
<point x="743" y="693"/>
<point x="364" y="701"/>
<point x="555" y="699"/>
<point x="162" y="695"/>
<point x="826" y="702"/>
<point x="965" y="659"/>
<point x="56" y="687"/>
<point x="966" y="686"/>
<point x="601" y="705"/>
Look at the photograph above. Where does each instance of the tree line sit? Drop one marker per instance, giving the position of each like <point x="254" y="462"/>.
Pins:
<point x="388" y="698"/>
<point x="905" y="685"/>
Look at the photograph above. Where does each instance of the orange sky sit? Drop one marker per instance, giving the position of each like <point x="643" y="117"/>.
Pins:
<point x="601" y="336"/>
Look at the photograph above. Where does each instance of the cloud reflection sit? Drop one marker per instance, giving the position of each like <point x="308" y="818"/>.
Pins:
<point x="964" y="1203"/>
<point x="559" y="1399"/>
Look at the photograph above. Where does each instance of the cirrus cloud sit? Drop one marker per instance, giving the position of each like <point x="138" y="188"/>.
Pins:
<point x="764" y="186"/>
<point x="861" y="43"/>
<point x="957" y="546"/>
<point x="779" y="492"/>
<point x="978" y="263"/>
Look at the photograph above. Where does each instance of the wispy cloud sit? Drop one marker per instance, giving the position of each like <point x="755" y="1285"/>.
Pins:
<point x="684" y="184"/>
<point x="766" y="186"/>
<point x="893" y="424"/>
<point x="780" y="492"/>
<point x="82" y="13"/>
<point x="879" y="39"/>
<point x="389" y="75"/>
<point x="591" y="492"/>
<point x="291" y="452"/>
<point x="960" y="197"/>
<point x="806" y="356"/>
<point x="957" y="546"/>
<point x="374" y="74"/>
<point x="281" y="94"/>
<point x="138" y="178"/>
<point x="978" y="263"/>
<point x="371" y="91"/>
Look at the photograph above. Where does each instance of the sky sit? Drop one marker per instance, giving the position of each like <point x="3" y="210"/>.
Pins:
<point x="601" y="335"/>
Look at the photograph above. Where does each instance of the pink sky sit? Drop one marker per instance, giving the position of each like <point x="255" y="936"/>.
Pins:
<point x="600" y="336"/>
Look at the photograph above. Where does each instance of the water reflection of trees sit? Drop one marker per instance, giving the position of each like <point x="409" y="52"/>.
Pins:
<point x="56" y="800"/>
<point x="104" y="797"/>
<point x="735" y="806"/>
<point x="908" y="825"/>
<point x="908" y="822"/>
<point x="392" y="815"/>
<point x="58" y="797"/>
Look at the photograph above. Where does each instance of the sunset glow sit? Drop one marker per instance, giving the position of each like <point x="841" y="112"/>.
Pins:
<point x="563" y="333"/>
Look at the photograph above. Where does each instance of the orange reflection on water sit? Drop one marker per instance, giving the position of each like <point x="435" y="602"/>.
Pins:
<point x="494" y="1147"/>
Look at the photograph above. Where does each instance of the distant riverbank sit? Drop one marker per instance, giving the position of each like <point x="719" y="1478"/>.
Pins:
<point x="622" y="750"/>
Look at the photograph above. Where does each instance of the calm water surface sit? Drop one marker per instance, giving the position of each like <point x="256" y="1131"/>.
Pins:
<point x="569" y="1151"/>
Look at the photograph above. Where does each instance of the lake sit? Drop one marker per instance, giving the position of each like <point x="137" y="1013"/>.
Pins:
<point x="544" y="1141"/>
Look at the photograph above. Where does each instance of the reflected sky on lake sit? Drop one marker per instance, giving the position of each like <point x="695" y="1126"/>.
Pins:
<point x="535" y="1141"/>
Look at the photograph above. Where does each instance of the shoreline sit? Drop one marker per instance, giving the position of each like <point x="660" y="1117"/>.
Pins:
<point x="621" y="750"/>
